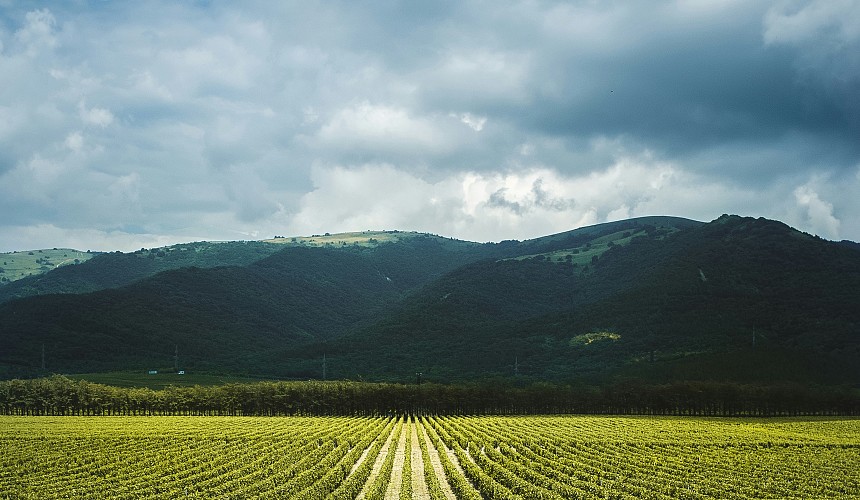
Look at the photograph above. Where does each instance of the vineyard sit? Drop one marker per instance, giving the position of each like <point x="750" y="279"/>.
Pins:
<point x="432" y="457"/>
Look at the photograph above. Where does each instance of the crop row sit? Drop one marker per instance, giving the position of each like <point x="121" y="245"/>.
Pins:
<point x="603" y="457"/>
<point x="463" y="457"/>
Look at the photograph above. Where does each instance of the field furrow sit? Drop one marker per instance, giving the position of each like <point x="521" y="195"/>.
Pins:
<point x="393" y="490"/>
<point x="419" y="485"/>
<point x="436" y="458"/>
<point x="436" y="462"/>
<point x="377" y="468"/>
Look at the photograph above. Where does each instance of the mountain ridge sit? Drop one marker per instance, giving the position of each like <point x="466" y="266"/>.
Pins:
<point x="644" y="297"/>
<point x="114" y="269"/>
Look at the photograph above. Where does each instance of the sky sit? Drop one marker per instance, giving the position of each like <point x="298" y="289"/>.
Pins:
<point x="127" y="125"/>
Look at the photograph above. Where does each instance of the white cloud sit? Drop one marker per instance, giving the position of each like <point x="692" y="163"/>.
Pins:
<point x="482" y="206"/>
<point x="99" y="117"/>
<point x="475" y="78"/>
<point x="810" y="21"/>
<point x="818" y="213"/>
<point x="44" y="170"/>
<point x="38" y="33"/>
<point x="250" y="195"/>
<point x="210" y="63"/>
<point x="220" y="121"/>
<point x="74" y="141"/>
<point x="372" y="196"/>
<point x="825" y="33"/>
<point x="126" y="188"/>
<point x="535" y="201"/>
<point x="50" y="236"/>
<point x="474" y="122"/>
<point x="380" y="127"/>
<point x="309" y="115"/>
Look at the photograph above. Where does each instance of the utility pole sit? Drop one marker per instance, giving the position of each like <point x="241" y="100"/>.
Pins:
<point x="175" y="357"/>
<point x="324" y="368"/>
<point x="753" y="337"/>
<point x="516" y="366"/>
<point x="43" y="357"/>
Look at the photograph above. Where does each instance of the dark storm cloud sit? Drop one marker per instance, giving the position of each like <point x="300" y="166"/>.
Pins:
<point x="129" y="125"/>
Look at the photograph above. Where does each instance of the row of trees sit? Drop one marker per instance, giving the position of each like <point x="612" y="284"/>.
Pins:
<point x="59" y="395"/>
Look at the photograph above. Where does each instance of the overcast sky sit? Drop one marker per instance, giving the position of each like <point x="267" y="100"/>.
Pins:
<point x="139" y="124"/>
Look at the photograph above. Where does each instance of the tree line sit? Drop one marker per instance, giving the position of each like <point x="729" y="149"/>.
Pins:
<point x="59" y="395"/>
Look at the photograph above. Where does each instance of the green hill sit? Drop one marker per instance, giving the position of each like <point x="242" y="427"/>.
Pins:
<point x="655" y="299"/>
<point x="27" y="273"/>
<point x="220" y="318"/>
<point x="115" y="269"/>
<point x="15" y="266"/>
<point x="657" y="307"/>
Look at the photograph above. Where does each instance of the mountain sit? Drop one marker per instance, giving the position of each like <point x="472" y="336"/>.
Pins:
<point x="220" y="317"/>
<point x="115" y="269"/>
<point x="654" y="298"/>
<point x="736" y="299"/>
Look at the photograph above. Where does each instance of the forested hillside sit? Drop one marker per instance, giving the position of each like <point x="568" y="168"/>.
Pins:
<point x="220" y="318"/>
<point x="737" y="299"/>
<point x="116" y="269"/>
<point x="111" y="270"/>
<point x="656" y="299"/>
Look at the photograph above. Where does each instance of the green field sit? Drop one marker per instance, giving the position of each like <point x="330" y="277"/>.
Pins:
<point x="437" y="457"/>
<point x="17" y="265"/>
<point x="361" y="238"/>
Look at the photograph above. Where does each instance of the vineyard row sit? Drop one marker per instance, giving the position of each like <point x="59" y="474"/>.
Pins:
<point x="453" y="457"/>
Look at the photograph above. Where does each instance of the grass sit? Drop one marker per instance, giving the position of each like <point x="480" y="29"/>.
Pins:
<point x="17" y="265"/>
<point x="582" y="255"/>
<point x="362" y="238"/>
<point x="588" y="338"/>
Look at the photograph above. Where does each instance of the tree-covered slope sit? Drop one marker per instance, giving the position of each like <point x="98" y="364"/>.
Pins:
<point x="658" y="299"/>
<point x="115" y="269"/>
<point x="745" y="297"/>
<point x="220" y="318"/>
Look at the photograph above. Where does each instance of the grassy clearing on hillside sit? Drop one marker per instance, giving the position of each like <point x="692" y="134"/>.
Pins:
<point x="589" y="338"/>
<point x="583" y="255"/>
<point x="17" y="265"/>
<point x="554" y="457"/>
<point x="361" y="238"/>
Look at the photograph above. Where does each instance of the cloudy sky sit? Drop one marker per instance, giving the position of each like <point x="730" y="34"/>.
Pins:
<point x="138" y="124"/>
